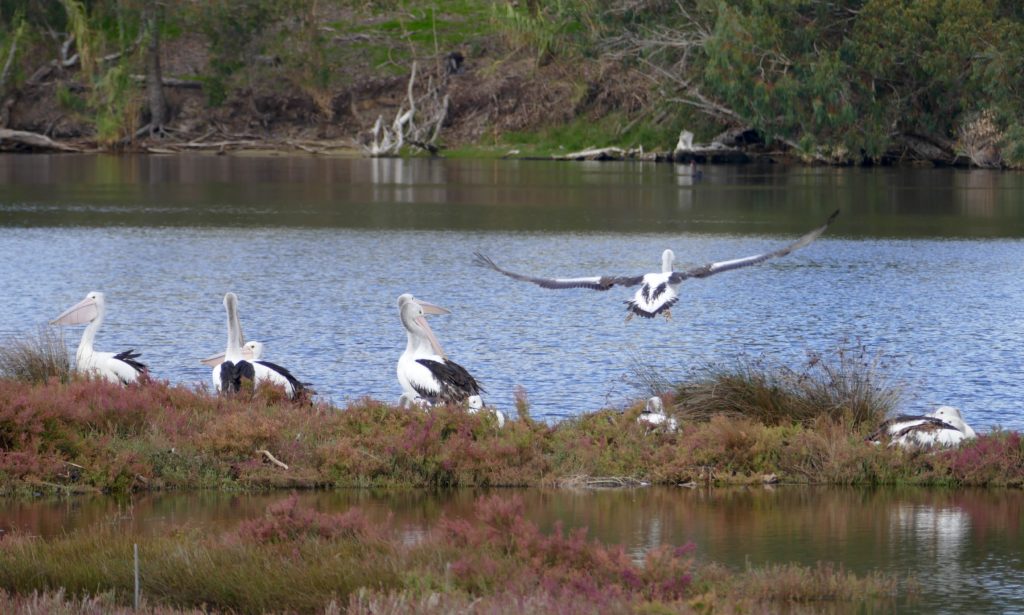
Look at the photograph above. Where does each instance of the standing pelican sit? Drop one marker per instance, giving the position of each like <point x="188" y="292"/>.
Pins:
<point x="657" y="293"/>
<point x="424" y="371"/>
<point x="243" y="362"/>
<point x="944" y="426"/>
<point x="119" y="368"/>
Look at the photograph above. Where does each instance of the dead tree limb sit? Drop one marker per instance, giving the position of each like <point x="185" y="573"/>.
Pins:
<point x="419" y="124"/>
<point x="272" y="459"/>
<point x="33" y="139"/>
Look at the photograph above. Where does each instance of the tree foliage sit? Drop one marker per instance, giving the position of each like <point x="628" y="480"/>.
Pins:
<point x="851" y="76"/>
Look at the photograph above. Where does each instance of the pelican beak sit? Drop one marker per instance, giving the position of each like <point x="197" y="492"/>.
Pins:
<point x="82" y="312"/>
<point x="430" y="308"/>
<point x="213" y="360"/>
<point x="436" y="345"/>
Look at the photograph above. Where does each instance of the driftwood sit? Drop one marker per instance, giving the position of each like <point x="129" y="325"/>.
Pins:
<point x="33" y="139"/>
<point x="605" y="153"/>
<point x="271" y="458"/>
<point x="418" y="125"/>
<point x="171" y="82"/>
<point x="601" y="482"/>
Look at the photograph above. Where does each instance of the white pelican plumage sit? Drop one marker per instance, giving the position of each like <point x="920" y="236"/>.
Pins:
<point x="251" y="351"/>
<point x="654" y="414"/>
<point x="424" y="371"/>
<point x="119" y="368"/>
<point x="244" y="362"/>
<point x="657" y="293"/>
<point x="944" y="426"/>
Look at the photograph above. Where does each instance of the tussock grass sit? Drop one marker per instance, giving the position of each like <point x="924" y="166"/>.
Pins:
<point x="844" y="386"/>
<point x="495" y="561"/>
<point x="36" y="357"/>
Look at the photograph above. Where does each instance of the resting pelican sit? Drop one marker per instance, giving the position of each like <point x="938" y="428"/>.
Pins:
<point x="119" y="368"/>
<point x="236" y="365"/>
<point x="654" y="414"/>
<point x="657" y="293"/>
<point x="424" y="371"/>
<point x="251" y="351"/>
<point x="943" y="427"/>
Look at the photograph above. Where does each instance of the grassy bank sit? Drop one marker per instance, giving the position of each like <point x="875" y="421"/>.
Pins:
<point x="738" y="425"/>
<point x="297" y="559"/>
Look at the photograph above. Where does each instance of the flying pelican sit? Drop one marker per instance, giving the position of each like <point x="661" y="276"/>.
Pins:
<point x="657" y="293"/>
<point x="654" y="414"/>
<point x="239" y="363"/>
<point x="119" y="368"/>
<point x="943" y="427"/>
<point x="424" y="371"/>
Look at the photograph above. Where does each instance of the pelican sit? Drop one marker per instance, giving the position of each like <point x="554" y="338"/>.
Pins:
<point x="238" y="362"/>
<point x="424" y="371"/>
<point x="657" y="293"/>
<point x="119" y="368"/>
<point x="654" y="414"/>
<point x="944" y="426"/>
<point x="251" y="351"/>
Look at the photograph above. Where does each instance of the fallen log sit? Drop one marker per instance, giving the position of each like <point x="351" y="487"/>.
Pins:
<point x="33" y="139"/>
<point x="603" y="153"/>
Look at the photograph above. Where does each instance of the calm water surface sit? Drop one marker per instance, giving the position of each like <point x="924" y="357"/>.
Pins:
<point x="964" y="548"/>
<point x="924" y="267"/>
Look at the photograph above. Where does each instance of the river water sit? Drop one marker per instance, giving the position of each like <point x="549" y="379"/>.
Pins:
<point x="924" y="268"/>
<point x="963" y="549"/>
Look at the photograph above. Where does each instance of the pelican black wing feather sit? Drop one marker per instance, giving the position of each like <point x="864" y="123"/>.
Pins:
<point x="292" y="380"/>
<point x="712" y="268"/>
<point x="128" y="357"/>
<point x="929" y="423"/>
<point x="456" y="383"/>
<point x="603" y="282"/>
<point x="232" y="374"/>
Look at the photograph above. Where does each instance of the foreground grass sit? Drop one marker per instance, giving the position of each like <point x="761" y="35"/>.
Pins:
<point x="91" y="436"/>
<point x="296" y="559"/>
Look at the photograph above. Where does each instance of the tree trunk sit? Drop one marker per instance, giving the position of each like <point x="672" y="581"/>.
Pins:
<point x="154" y="78"/>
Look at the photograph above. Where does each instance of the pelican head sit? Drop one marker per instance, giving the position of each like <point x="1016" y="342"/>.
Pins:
<point x="668" y="259"/>
<point x="82" y="312"/>
<point x="252" y="351"/>
<point x="952" y="416"/>
<point x="654" y="406"/>
<point x="413" y="314"/>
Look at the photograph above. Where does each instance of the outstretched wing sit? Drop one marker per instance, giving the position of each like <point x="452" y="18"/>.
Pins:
<point x="713" y="268"/>
<point x="603" y="282"/>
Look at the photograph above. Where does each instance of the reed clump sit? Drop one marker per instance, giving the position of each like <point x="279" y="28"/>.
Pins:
<point x="846" y="385"/>
<point x="36" y="357"/>
<point x="495" y="556"/>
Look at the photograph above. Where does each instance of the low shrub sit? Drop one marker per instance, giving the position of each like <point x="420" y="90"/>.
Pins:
<point x="36" y="358"/>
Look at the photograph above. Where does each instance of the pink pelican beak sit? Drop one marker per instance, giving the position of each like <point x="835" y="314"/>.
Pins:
<point x="82" y="312"/>
<point x="430" y="308"/>
<point x="216" y="359"/>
